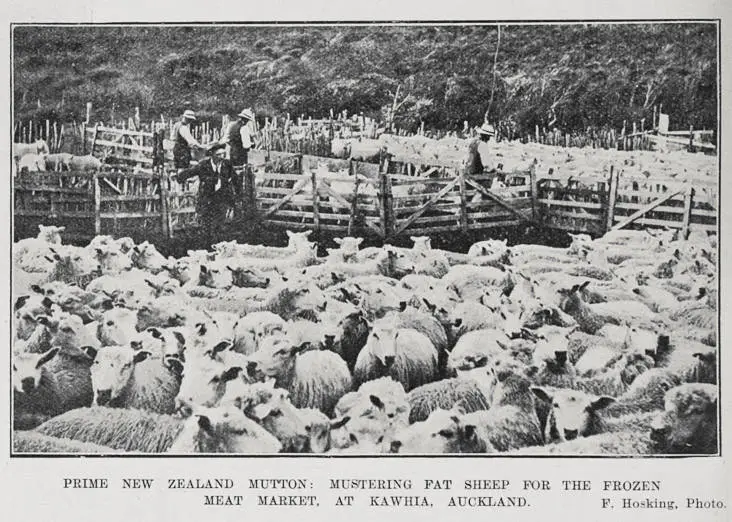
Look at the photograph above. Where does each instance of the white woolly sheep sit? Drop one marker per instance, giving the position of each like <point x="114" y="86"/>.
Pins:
<point x="31" y="442"/>
<point x="271" y="408"/>
<point x="49" y="384"/>
<point x="315" y="379"/>
<point x="445" y="394"/>
<point x="573" y="413"/>
<point x="688" y="424"/>
<point x="125" y="378"/>
<point x="511" y="422"/>
<point x="140" y="431"/>
<point x="405" y="354"/>
<point x="117" y="327"/>
<point x="442" y="432"/>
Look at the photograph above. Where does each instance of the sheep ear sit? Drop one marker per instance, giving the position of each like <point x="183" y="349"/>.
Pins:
<point x="37" y="289"/>
<point x="222" y="346"/>
<point x="467" y="432"/>
<point x="542" y="394"/>
<point x="140" y="356"/>
<point x="261" y="411"/>
<point x="90" y="351"/>
<point x="20" y="302"/>
<point x="301" y="348"/>
<point x="602" y="402"/>
<point x="174" y="364"/>
<point x="231" y="373"/>
<point x="481" y="362"/>
<point x="376" y="402"/>
<point x="584" y="285"/>
<point x="338" y="241"/>
<point x="179" y="337"/>
<point x="50" y="354"/>
<point x="429" y="305"/>
<point x="339" y="423"/>
<point x="204" y="269"/>
<point x="230" y="269"/>
<point x="155" y="333"/>
<point x="359" y="240"/>
<point x="353" y="438"/>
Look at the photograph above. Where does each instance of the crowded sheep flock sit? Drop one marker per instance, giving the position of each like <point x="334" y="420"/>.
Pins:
<point x="605" y="347"/>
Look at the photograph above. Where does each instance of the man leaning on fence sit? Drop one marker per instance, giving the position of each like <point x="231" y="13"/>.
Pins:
<point x="219" y="190"/>
<point x="184" y="140"/>
<point x="238" y="138"/>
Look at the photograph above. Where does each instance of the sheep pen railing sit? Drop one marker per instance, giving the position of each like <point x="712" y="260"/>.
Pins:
<point x="144" y="206"/>
<point x="345" y="197"/>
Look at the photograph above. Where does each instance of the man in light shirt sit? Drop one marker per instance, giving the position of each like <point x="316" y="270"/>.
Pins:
<point x="184" y="140"/>
<point x="238" y="138"/>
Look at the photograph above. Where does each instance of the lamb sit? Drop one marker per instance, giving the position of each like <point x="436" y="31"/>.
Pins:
<point x="489" y="247"/>
<point x="215" y="275"/>
<point x="32" y="442"/>
<point x="247" y="277"/>
<point x="49" y="384"/>
<point x="221" y="430"/>
<point x="348" y="246"/>
<point x="688" y="424"/>
<point x="431" y="263"/>
<point x="26" y="310"/>
<point x="289" y="301"/>
<point x="37" y="147"/>
<point x="403" y="353"/>
<point x="125" y="378"/>
<point x="315" y="379"/>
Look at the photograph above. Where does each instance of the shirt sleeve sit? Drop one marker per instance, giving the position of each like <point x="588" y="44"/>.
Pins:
<point x="185" y="132"/>
<point x="246" y="137"/>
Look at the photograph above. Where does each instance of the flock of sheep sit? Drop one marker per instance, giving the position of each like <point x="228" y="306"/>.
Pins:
<point x="605" y="347"/>
<point x="35" y="157"/>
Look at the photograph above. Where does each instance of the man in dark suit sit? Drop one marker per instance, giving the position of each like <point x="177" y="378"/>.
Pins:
<point x="219" y="189"/>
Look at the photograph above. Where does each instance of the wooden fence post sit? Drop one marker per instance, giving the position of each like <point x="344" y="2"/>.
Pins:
<point x="316" y="210"/>
<point x="97" y="206"/>
<point x="463" y="203"/>
<point x="612" y="196"/>
<point x="354" y="202"/>
<point x="534" y="191"/>
<point x="691" y="138"/>
<point x="164" y="212"/>
<point x="688" y="205"/>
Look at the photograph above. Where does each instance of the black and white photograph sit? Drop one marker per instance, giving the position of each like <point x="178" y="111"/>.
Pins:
<point x="345" y="239"/>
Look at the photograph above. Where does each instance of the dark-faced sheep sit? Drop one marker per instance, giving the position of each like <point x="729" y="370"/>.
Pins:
<point x="49" y="384"/>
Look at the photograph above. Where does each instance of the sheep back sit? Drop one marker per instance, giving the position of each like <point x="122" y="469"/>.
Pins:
<point x="32" y="442"/>
<point x="320" y="379"/>
<point x="123" y="429"/>
<point x="444" y="395"/>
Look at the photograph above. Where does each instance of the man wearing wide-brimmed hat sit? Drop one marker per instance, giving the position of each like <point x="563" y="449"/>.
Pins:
<point x="184" y="140"/>
<point x="238" y="138"/>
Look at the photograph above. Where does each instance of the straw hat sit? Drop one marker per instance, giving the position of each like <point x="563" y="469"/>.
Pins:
<point x="246" y="113"/>
<point x="189" y="114"/>
<point x="487" y="129"/>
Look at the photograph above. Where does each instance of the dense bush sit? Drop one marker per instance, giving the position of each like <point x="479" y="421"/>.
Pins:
<point x="571" y="77"/>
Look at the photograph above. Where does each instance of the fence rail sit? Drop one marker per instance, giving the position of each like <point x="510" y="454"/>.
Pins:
<point x="346" y="197"/>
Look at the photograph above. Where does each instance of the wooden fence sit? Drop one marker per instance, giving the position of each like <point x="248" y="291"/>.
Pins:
<point x="142" y="206"/>
<point x="298" y="191"/>
<point x="617" y="202"/>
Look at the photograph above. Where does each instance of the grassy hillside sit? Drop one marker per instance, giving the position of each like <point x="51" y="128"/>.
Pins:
<point x="571" y="76"/>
